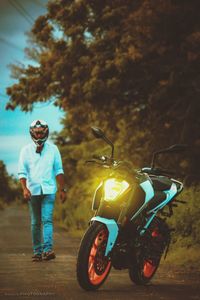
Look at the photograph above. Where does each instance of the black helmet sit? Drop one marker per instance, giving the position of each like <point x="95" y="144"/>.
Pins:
<point x="39" y="132"/>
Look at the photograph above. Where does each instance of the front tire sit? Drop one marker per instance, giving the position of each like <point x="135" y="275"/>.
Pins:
<point x="92" y="266"/>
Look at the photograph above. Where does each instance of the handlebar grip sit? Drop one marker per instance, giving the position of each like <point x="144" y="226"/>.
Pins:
<point x="96" y="157"/>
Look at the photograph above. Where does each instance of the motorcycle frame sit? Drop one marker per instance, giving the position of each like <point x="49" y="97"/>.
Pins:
<point x="147" y="187"/>
<point x="113" y="226"/>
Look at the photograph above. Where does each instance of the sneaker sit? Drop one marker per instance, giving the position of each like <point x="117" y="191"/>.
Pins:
<point x="48" y="255"/>
<point x="37" y="257"/>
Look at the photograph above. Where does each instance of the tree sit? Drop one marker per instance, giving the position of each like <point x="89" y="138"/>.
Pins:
<point x="9" y="189"/>
<point x="130" y="67"/>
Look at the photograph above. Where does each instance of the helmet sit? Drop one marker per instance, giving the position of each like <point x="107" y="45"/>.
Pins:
<point x="39" y="132"/>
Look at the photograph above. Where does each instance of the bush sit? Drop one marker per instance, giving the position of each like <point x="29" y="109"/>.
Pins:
<point x="186" y="218"/>
<point x="1" y="204"/>
<point x="9" y="186"/>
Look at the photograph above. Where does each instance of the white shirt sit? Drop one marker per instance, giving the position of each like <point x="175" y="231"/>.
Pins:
<point x="40" y="169"/>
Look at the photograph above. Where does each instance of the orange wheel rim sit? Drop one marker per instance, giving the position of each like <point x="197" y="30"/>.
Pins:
<point x="98" y="246"/>
<point x="149" y="266"/>
<point x="148" y="269"/>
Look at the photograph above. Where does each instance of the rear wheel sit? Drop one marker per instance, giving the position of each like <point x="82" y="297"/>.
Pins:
<point x="147" y="262"/>
<point x="93" y="266"/>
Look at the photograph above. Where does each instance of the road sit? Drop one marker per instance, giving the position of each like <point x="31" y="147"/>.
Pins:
<point x="20" y="278"/>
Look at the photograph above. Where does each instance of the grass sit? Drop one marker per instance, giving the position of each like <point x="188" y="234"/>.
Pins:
<point x="187" y="258"/>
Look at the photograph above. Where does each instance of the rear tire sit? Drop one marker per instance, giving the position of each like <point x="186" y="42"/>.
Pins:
<point x="92" y="266"/>
<point x="143" y="272"/>
<point x="145" y="267"/>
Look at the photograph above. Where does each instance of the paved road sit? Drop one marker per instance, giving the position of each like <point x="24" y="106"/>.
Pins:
<point x="22" y="279"/>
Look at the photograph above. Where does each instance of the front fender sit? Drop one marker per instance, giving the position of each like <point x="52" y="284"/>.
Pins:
<point x="113" y="230"/>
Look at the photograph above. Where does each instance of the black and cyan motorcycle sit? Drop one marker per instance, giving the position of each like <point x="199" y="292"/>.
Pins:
<point x="128" y="230"/>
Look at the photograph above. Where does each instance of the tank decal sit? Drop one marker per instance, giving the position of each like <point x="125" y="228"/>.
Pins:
<point x="169" y="195"/>
<point x="148" y="189"/>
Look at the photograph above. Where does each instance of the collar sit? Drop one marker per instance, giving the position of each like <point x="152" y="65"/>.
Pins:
<point x="35" y="147"/>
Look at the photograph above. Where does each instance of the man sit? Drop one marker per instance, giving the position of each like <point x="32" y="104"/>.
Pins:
<point x="40" y="166"/>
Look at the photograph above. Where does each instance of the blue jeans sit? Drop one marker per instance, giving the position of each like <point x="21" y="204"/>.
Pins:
<point x="41" y="212"/>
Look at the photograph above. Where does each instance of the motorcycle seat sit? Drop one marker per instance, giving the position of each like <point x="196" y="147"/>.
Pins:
<point x="161" y="183"/>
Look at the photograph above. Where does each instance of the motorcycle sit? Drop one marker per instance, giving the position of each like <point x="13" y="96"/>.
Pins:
<point x="128" y="229"/>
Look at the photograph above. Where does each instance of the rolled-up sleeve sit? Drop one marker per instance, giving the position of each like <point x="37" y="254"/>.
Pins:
<point x="22" y="169"/>
<point x="58" y="167"/>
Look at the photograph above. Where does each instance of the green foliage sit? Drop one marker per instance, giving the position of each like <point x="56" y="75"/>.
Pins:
<point x="129" y="67"/>
<point x="186" y="219"/>
<point x="9" y="187"/>
<point x="187" y="259"/>
<point x="120" y="62"/>
<point x="82" y="180"/>
<point x="1" y="203"/>
<point x="185" y="247"/>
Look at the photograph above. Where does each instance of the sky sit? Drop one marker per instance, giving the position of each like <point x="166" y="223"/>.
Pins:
<point x="16" y="18"/>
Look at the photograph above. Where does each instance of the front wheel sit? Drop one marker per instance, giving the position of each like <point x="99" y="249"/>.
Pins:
<point x="93" y="266"/>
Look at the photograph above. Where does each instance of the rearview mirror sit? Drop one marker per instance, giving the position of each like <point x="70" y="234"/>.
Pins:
<point x="177" y="148"/>
<point x="97" y="132"/>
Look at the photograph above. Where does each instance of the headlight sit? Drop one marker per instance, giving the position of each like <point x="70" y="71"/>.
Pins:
<point x="113" y="188"/>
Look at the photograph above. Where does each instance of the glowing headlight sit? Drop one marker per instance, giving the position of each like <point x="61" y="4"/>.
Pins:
<point x="114" y="188"/>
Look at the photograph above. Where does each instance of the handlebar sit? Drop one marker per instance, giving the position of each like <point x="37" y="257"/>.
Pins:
<point x="158" y="171"/>
<point x="109" y="162"/>
<point x="101" y="160"/>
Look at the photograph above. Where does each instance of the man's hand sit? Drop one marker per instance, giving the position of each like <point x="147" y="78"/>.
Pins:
<point x="26" y="193"/>
<point x="61" y="183"/>
<point x="62" y="195"/>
